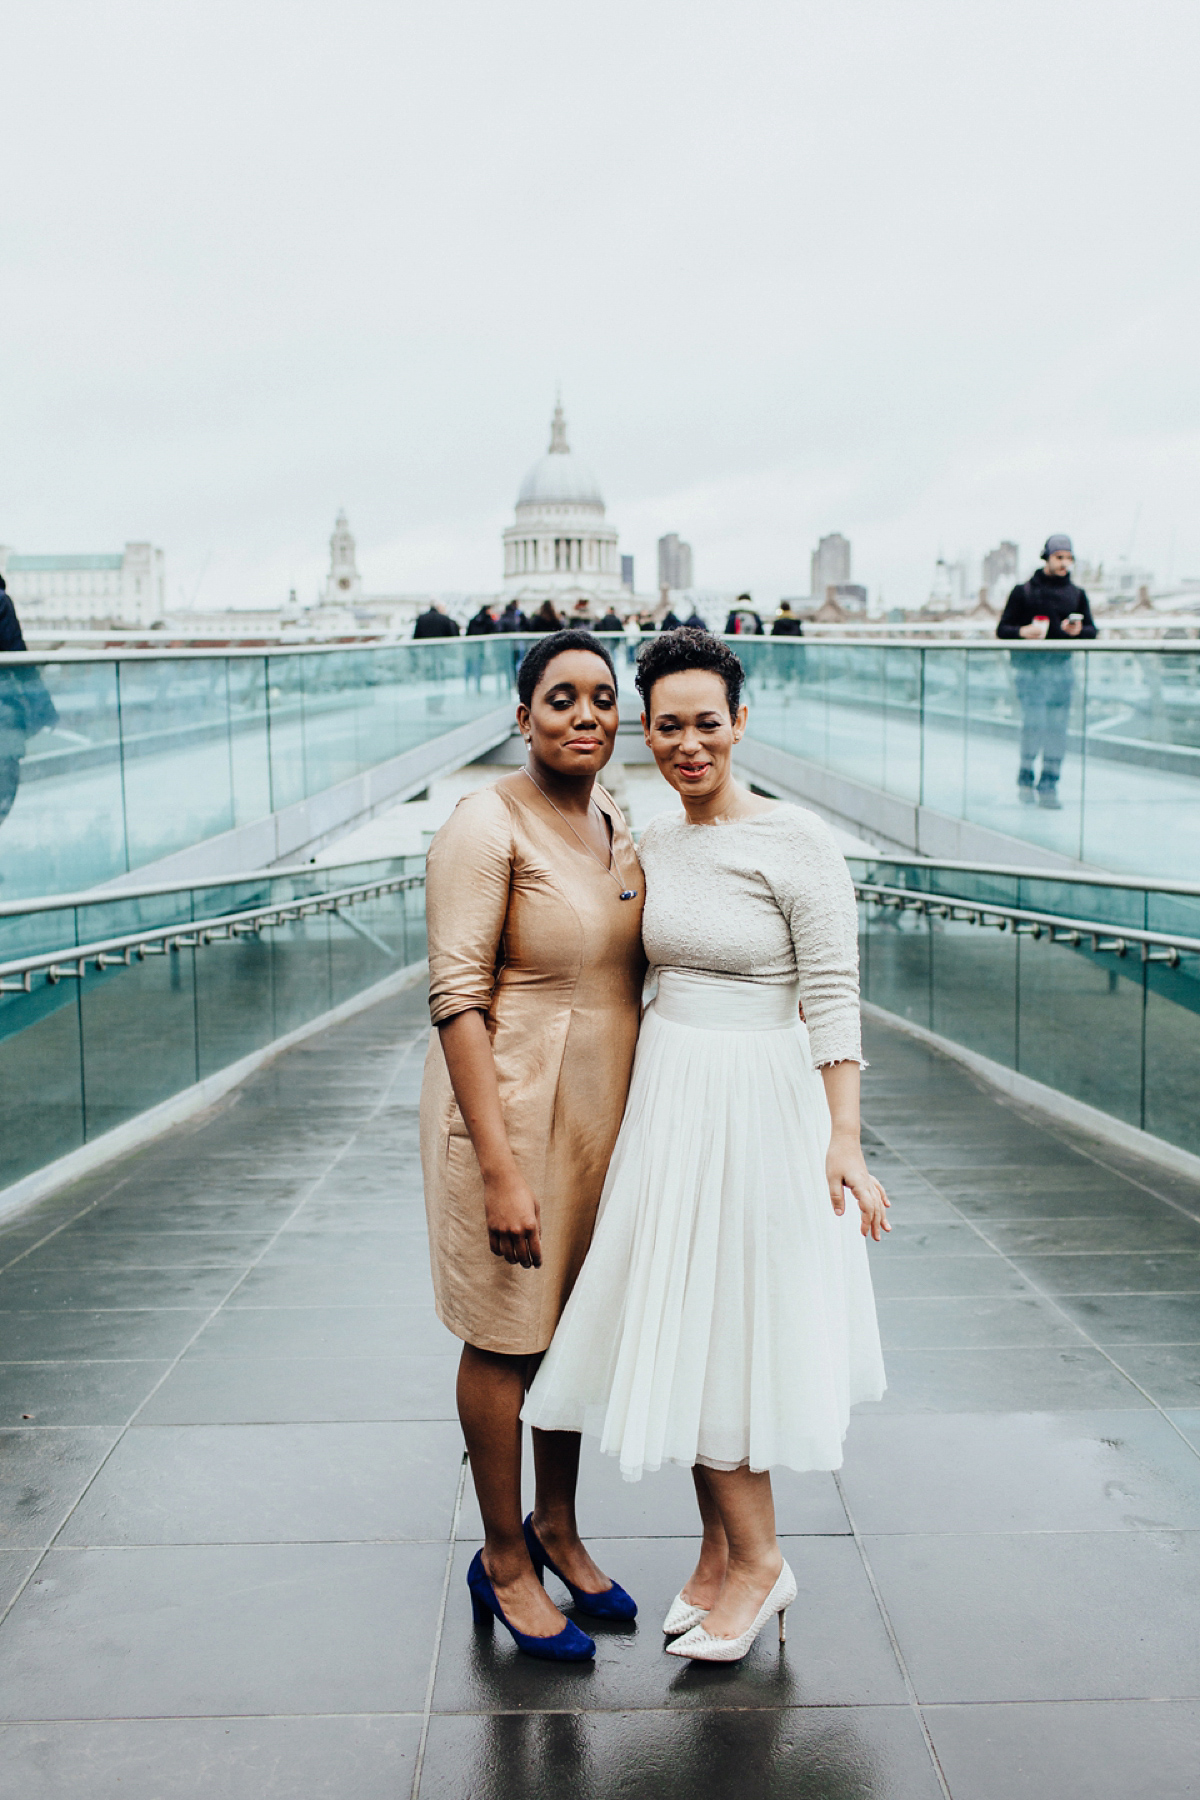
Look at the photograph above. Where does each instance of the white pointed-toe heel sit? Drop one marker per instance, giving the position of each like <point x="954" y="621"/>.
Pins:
<point x="702" y="1648"/>
<point x="682" y="1615"/>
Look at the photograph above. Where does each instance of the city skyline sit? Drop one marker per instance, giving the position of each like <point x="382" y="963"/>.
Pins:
<point x="346" y="296"/>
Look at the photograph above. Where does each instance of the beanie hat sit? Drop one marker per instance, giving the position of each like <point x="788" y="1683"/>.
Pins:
<point x="1058" y="540"/>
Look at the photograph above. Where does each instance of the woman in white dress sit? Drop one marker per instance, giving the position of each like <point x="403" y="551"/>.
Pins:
<point x="724" y="1316"/>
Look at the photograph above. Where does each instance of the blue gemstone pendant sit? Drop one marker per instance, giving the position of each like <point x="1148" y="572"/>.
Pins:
<point x="629" y="894"/>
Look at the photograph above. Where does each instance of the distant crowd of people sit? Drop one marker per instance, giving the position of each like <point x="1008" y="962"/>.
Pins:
<point x="743" y="620"/>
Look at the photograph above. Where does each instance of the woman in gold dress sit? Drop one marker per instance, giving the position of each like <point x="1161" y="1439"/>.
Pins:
<point x="534" y="907"/>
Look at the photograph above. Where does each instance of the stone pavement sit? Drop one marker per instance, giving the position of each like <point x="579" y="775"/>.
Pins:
<point x="234" y="1523"/>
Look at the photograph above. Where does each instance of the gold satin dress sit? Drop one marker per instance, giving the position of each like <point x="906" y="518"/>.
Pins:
<point x="527" y="926"/>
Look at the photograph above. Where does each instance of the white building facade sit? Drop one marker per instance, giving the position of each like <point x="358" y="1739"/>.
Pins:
<point x="561" y="547"/>
<point x="119" y="588"/>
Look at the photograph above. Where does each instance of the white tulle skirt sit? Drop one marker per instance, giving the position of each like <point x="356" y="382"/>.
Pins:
<point x="724" y="1315"/>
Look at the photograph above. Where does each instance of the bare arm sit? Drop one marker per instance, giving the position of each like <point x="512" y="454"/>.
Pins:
<point x="845" y="1165"/>
<point x="513" y="1214"/>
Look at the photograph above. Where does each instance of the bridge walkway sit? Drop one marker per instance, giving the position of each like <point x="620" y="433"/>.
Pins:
<point x="236" y="1523"/>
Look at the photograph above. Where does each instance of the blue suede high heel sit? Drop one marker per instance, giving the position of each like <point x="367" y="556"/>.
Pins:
<point x="613" y="1603"/>
<point x="568" y="1645"/>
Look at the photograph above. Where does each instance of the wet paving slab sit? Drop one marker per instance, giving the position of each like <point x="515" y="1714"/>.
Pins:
<point x="235" y="1518"/>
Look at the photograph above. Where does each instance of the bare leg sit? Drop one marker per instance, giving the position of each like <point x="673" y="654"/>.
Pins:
<point x="491" y="1389"/>
<point x="746" y="1508"/>
<point x="556" y="1462"/>
<point x="704" y="1583"/>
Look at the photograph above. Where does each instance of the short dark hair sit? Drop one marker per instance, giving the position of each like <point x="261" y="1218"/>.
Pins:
<point x="537" y="659"/>
<point x="688" y="648"/>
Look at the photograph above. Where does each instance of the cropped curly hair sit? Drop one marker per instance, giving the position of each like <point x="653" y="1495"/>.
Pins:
<point x="688" y="648"/>
<point x="537" y="660"/>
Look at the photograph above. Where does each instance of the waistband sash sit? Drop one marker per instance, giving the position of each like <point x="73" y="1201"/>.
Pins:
<point x="723" y="1003"/>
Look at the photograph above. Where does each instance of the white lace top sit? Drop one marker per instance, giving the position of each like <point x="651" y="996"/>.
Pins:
<point x="766" y="899"/>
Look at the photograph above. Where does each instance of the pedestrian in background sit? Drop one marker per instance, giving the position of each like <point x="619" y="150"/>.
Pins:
<point x="545" y="618"/>
<point x="1047" y="606"/>
<point x="743" y="621"/>
<point x="786" y="623"/>
<point x="435" y="622"/>
<point x="25" y="705"/>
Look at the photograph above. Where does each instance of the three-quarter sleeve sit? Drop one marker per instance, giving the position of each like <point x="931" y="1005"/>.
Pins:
<point x="467" y="876"/>
<point x="817" y="896"/>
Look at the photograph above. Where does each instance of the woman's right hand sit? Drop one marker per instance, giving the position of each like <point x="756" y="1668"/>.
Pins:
<point x="514" y="1220"/>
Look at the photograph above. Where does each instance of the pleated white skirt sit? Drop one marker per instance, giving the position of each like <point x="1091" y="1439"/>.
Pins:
<point x="724" y="1314"/>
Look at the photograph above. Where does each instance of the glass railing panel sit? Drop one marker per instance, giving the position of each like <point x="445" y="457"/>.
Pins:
<point x="249" y="738"/>
<point x="66" y="829"/>
<point x="895" y="964"/>
<point x="235" y="1002"/>
<point x="1143" y="762"/>
<point x="27" y="934"/>
<point x="901" y="749"/>
<point x="175" y="731"/>
<point x="973" y="988"/>
<point x="139" y="1037"/>
<point x="1080" y="1021"/>
<point x="787" y="690"/>
<point x="301" y="972"/>
<point x="338" y="718"/>
<point x="358" y="953"/>
<point x="41" y="1089"/>
<point x="944" y="731"/>
<point x="856" y="708"/>
<point x="285" y="711"/>
<point x="121" y="917"/>
<point x="1068" y="899"/>
<point x="1172" y="1052"/>
<point x="1173" y="912"/>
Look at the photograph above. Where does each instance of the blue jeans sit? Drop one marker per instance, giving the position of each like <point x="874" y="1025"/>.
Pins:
<point x="1044" y="689"/>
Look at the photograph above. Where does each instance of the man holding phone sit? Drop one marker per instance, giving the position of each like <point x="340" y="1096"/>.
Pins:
<point x="1048" y="605"/>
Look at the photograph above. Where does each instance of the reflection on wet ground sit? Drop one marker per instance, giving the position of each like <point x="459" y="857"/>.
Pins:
<point x="234" y="1524"/>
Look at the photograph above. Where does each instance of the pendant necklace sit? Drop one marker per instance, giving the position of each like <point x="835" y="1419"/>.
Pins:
<point x="626" y="893"/>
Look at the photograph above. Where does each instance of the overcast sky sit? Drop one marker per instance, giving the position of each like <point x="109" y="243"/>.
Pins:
<point x="926" y="272"/>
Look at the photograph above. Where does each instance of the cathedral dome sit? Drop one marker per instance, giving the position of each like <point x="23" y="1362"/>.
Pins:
<point x="558" y="478"/>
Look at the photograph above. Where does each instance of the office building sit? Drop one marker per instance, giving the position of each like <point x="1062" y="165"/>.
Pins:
<point x="999" y="572"/>
<point x="830" y="565"/>
<point x="674" y="562"/>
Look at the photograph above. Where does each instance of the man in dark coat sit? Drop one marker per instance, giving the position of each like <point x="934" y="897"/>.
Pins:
<point x="482" y="623"/>
<point x="435" y="622"/>
<point x="786" y="623"/>
<point x="25" y="704"/>
<point x="1048" y="605"/>
<point x="512" y="618"/>
<point x="694" y="622"/>
<point x="612" y="621"/>
<point x="671" y="622"/>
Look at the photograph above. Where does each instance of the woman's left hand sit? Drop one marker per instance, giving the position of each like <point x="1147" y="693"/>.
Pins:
<point x="845" y="1167"/>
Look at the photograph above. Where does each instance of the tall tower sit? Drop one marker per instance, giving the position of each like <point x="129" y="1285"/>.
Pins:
<point x="343" y="583"/>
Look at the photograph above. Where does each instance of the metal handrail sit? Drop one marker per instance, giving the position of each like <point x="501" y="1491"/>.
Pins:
<point x="1155" y="946"/>
<point x="16" y="909"/>
<point x="11" y="909"/>
<point x="1140" y="884"/>
<point x="71" y="964"/>
<point x="1087" y="646"/>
